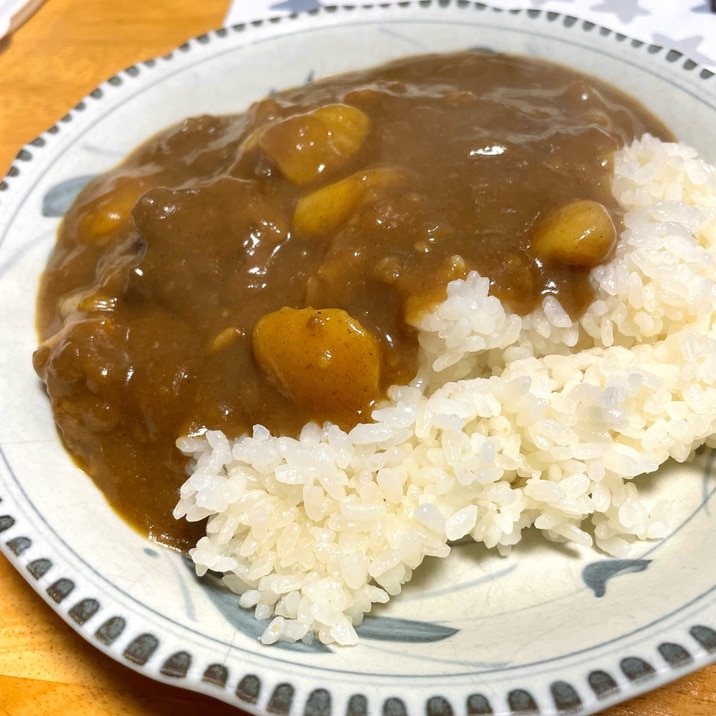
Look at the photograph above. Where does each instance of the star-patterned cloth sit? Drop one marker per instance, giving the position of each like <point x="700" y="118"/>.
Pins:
<point x="688" y="26"/>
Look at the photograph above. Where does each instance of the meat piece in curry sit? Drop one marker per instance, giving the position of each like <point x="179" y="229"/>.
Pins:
<point x="263" y="268"/>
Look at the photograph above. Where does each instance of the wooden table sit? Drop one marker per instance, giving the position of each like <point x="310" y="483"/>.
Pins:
<point x="64" y="51"/>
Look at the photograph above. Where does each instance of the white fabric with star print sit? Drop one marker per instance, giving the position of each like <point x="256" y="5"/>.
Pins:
<point x="688" y="26"/>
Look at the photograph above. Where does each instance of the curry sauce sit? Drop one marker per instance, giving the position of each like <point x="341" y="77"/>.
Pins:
<point x="266" y="267"/>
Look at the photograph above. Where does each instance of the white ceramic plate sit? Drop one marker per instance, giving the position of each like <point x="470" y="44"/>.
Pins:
<point x="548" y="630"/>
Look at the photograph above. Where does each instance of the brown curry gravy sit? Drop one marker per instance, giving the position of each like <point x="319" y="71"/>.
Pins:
<point x="164" y="265"/>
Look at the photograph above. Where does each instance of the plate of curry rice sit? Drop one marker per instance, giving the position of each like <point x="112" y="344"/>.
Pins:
<point x="363" y="361"/>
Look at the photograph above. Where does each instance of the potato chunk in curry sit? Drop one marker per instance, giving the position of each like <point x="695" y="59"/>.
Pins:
<point x="320" y="357"/>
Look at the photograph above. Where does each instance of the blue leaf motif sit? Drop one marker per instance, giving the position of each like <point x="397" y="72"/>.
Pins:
<point x="388" y="629"/>
<point x="403" y="630"/>
<point x="59" y="198"/>
<point x="596" y="574"/>
<point x="227" y="603"/>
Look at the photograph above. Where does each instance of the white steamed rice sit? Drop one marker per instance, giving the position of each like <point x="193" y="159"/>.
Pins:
<point x="512" y="422"/>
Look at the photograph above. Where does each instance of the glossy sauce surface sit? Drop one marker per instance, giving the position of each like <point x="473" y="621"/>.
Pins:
<point x="351" y="202"/>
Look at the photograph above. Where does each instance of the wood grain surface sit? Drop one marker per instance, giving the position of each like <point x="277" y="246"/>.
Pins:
<point x="63" y="52"/>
